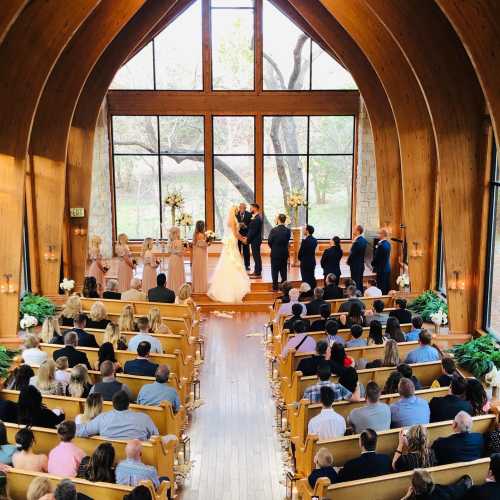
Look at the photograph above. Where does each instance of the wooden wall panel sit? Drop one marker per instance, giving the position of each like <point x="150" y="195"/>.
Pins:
<point x="27" y="55"/>
<point x="8" y="15"/>
<point x="455" y="103"/>
<point x="49" y="136"/>
<point x="416" y="136"/>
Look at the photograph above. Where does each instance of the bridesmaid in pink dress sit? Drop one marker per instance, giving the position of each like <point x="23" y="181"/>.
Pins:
<point x="126" y="264"/>
<point x="96" y="268"/>
<point x="175" y="274"/>
<point x="150" y="265"/>
<point x="199" y="259"/>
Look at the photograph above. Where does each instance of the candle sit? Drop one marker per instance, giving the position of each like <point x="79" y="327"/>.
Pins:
<point x="191" y="397"/>
<point x="197" y="355"/>
<point x="284" y="423"/>
<point x="180" y="457"/>
<point x="275" y="373"/>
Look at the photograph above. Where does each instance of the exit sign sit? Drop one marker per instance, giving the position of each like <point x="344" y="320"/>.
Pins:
<point x="77" y="212"/>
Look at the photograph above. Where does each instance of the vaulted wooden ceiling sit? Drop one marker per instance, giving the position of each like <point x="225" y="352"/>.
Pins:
<point x="427" y="69"/>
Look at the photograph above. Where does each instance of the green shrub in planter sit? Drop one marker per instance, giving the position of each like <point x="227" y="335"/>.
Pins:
<point x="427" y="304"/>
<point x="37" y="306"/>
<point x="477" y="355"/>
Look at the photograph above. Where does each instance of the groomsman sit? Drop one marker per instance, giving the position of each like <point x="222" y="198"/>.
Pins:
<point x="243" y="216"/>
<point x="254" y="239"/>
<point x="307" y="256"/>
<point x="356" y="259"/>
<point x="381" y="262"/>
<point x="278" y="241"/>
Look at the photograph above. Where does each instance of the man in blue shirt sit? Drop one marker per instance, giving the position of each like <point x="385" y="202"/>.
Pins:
<point x="425" y="353"/>
<point x="413" y="335"/>
<point x="132" y="470"/>
<point x="153" y="394"/>
<point x="357" y="340"/>
<point x="409" y="409"/>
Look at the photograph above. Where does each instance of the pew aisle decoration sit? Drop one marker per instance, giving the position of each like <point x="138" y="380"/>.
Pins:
<point x="439" y="318"/>
<point x="175" y="201"/>
<point x="27" y="322"/>
<point x="37" y="306"/>
<point x="428" y="303"/>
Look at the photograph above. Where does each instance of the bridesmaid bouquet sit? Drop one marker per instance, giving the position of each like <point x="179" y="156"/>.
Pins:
<point x="209" y="236"/>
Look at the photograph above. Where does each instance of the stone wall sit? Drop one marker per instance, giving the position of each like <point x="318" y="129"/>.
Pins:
<point x="366" y="189"/>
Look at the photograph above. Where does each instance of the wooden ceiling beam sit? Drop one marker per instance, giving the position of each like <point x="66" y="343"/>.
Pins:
<point x="10" y="10"/>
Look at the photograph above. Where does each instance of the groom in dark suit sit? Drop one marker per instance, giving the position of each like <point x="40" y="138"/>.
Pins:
<point x="254" y="239"/>
<point x="381" y="262"/>
<point x="243" y="217"/>
<point x="356" y="259"/>
<point x="278" y="241"/>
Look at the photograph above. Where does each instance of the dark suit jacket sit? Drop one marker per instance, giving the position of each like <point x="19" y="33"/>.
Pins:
<point x="330" y="261"/>
<point x="313" y="306"/>
<point x="100" y="325"/>
<point x="140" y="367"/>
<point x="487" y="491"/>
<point x="8" y="411"/>
<point x="403" y="315"/>
<point x="366" y="465"/>
<point x="381" y="257"/>
<point x="332" y="292"/>
<point x="111" y="295"/>
<point x="446" y="407"/>
<point x="161" y="294"/>
<point x="74" y="357"/>
<point x="328" y="472"/>
<point x="244" y="219"/>
<point x="288" y="324"/>
<point x="309" y="366"/>
<point x="346" y="306"/>
<point x="255" y="230"/>
<point x="85" y="339"/>
<point x="307" y="251"/>
<point x="462" y="447"/>
<point x="278" y="241"/>
<point x="356" y="259"/>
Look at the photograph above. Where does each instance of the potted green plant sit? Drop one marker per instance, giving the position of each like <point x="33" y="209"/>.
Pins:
<point x="36" y="306"/>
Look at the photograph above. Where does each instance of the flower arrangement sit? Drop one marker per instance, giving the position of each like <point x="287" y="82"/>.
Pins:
<point x="294" y="201"/>
<point x="439" y="317"/>
<point x="36" y="306"/>
<point x="403" y="281"/>
<point x="175" y="201"/>
<point x="27" y="322"/>
<point x="185" y="219"/>
<point x="209" y="236"/>
<point x="67" y="285"/>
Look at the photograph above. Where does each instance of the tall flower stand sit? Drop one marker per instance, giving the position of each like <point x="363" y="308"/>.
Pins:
<point x="296" y="239"/>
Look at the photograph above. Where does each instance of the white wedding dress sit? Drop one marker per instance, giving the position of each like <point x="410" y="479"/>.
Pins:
<point x="230" y="282"/>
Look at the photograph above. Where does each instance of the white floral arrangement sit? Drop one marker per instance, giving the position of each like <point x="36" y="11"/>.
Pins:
<point x="209" y="236"/>
<point x="174" y="199"/>
<point x="27" y="322"/>
<point x="403" y="280"/>
<point x="287" y="220"/>
<point x="439" y="317"/>
<point x="67" y="285"/>
<point x="185" y="219"/>
<point x="296" y="199"/>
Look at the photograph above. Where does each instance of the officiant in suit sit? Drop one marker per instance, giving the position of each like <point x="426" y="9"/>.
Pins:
<point x="244" y="216"/>
<point x="381" y="262"/>
<point x="254" y="239"/>
<point x="307" y="256"/>
<point x="356" y="259"/>
<point x="278" y="241"/>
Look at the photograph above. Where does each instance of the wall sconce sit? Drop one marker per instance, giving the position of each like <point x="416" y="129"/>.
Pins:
<point x="8" y="286"/>
<point x="50" y="255"/>
<point x="457" y="283"/>
<point x="79" y="231"/>
<point x="417" y="250"/>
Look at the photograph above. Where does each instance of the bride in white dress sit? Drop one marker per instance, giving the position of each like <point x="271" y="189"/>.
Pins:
<point x="230" y="282"/>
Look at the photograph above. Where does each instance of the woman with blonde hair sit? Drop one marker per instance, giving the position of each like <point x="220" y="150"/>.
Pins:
<point x="62" y="374"/>
<point x="92" y="408"/>
<point x="175" y="249"/>
<point x="323" y="461"/>
<point x="39" y="489"/>
<point x="71" y="308"/>
<point x="151" y="264"/>
<point x="32" y="354"/>
<point x="156" y="324"/>
<point x="184" y="295"/>
<point x="98" y="316"/>
<point x="79" y="383"/>
<point x="112" y="335"/>
<point x="126" y="321"/>
<point x="96" y="268"/>
<point x="126" y="264"/>
<point x="199" y="259"/>
<point x="46" y="381"/>
<point x="391" y="354"/>
<point x="413" y="450"/>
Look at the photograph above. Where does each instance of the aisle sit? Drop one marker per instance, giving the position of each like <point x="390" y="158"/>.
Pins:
<point x="233" y="442"/>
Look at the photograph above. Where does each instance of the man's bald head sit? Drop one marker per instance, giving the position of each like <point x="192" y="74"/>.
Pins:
<point x="162" y="374"/>
<point x="133" y="449"/>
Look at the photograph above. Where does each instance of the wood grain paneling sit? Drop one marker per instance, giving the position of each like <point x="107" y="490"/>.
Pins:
<point x="10" y="10"/>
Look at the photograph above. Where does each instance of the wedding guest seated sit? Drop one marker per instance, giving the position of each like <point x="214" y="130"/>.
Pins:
<point x="352" y="298"/>
<point x="40" y="489"/>
<point x="51" y="331"/>
<point x="24" y="458"/>
<point x="98" y="317"/>
<point x="339" y="360"/>
<point x="90" y="288"/>
<point x="332" y="328"/>
<point x="449" y="369"/>
<point x="286" y="308"/>
<point x="92" y="408"/>
<point x="491" y="488"/>
<point x="462" y="446"/>
<point x="374" y="415"/>
<point x="120" y="422"/>
<point x="140" y="492"/>
<point x="413" y="335"/>
<point x="160" y="293"/>
<point x="32" y="354"/>
<point x="317" y="301"/>
<point x="297" y="312"/>
<point x="409" y="409"/>
<point x="354" y="317"/>
<point x="301" y="342"/>
<point x="144" y="336"/>
<point x="6" y="449"/>
<point x="309" y="366"/>
<point x="153" y="394"/>
<point x="319" y="324"/>
<point x="425" y="352"/>
<point x="357" y="339"/>
<point x="373" y="290"/>
<point x="19" y="378"/>
<point x="391" y="385"/>
<point x="377" y="313"/>
<point x="79" y="382"/>
<point x="284" y="288"/>
<point x="99" y="467"/>
<point x="393" y="330"/>
<point x="403" y="314"/>
<point x="126" y="320"/>
<point x="111" y="291"/>
<point x="109" y="386"/>
<point x="84" y="339"/>
<point x="134" y="293"/>
<point x="156" y="324"/>
<point x="332" y="290"/>
<point x="46" y="381"/>
<point x="477" y="397"/>
<point x="141" y="365"/>
<point x="64" y="459"/>
<point x="323" y="461"/>
<point x="71" y="309"/>
<point x="31" y="411"/>
<point x="348" y="378"/>
<point x="328" y="424"/>
<point x="69" y="350"/>
<point x="407" y="372"/>
<point x="62" y="374"/>
<point x="391" y="356"/>
<point x="447" y="407"/>
<point x="313" y="392"/>
<point x="413" y="450"/>
<point x="107" y="353"/>
<point x="369" y="463"/>
<point x="375" y="335"/>
<point x="66" y="490"/>
<point x="306" y="292"/>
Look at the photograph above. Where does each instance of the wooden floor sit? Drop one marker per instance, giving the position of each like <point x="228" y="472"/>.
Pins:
<point x="234" y="445"/>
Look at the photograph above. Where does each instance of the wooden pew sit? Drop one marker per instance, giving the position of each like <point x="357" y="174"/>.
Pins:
<point x="178" y="364"/>
<point x="346" y="448"/>
<point x="293" y="391"/>
<point x="19" y="480"/>
<point x="392" y="486"/>
<point x="154" y="452"/>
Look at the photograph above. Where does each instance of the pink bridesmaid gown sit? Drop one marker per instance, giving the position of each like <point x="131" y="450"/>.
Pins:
<point x="175" y="274"/>
<point x="149" y="272"/>
<point x="95" y="269"/>
<point x="199" y="266"/>
<point x="125" y="272"/>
